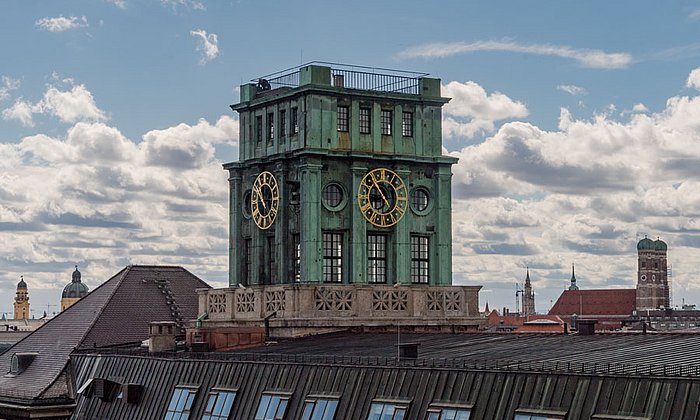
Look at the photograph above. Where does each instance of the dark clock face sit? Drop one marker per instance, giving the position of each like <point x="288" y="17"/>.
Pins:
<point x="264" y="200"/>
<point x="382" y="197"/>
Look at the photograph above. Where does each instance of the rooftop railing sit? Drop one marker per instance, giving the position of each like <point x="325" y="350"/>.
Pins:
<point x="549" y="366"/>
<point x="352" y="77"/>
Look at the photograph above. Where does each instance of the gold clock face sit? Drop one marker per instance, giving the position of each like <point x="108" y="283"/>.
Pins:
<point x="382" y="197"/>
<point x="264" y="200"/>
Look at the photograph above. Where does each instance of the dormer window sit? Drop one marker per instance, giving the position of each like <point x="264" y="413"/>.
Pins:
<point x="20" y="362"/>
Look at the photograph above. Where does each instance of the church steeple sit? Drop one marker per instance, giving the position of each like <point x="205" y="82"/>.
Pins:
<point x="21" y="305"/>
<point x="573" y="285"/>
<point x="528" y="295"/>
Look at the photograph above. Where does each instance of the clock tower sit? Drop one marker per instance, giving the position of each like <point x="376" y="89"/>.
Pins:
<point x="340" y="179"/>
<point x="340" y="210"/>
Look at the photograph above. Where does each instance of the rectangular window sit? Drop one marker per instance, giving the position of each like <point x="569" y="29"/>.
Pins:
<point x="258" y="128"/>
<point x="219" y="405"/>
<point x="365" y="120"/>
<point x="448" y="413"/>
<point x="420" y="258"/>
<point x="407" y="124"/>
<point x="385" y="122"/>
<point x="319" y="409"/>
<point x="520" y="416"/>
<point x="248" y="245"/>
<point x="271" y="259"/>
<point x="181" y="403"/>
<point x="295" y="121"/>
<point x="332" y="257"/>
<point x="376" y="258"/>
<point x="272" y="407"/>
<point x="283" y="123"/>
<point x="297" y="258"/>
<point x="387" y="411"/>
<point x="270" y="127"/>
<point x="343" y="118"/>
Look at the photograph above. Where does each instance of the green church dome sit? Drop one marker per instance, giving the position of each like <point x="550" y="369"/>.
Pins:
<point x="647" y="244"/>
<point x="75" y="289"/>
<point x="660" y="245"/>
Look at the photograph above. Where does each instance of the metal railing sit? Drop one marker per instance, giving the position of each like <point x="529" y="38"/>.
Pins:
<point x="353" y="77"/>
<point x="583" y="368"/>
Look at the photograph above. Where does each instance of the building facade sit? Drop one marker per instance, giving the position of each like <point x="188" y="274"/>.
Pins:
<point x="21" y="305"/>
<point x="340" y="179"/>
<point x="653" y="289"/>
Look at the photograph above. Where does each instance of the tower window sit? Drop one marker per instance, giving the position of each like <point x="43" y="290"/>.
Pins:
<point x="258" y="128"/>
<point x="283" y="123"/>
<point x="270" y="127"/>
<point x="297" y="258"/>
<point x="271" y="260"/>
<point x="365" y="120"/>
<point x="385" y="122"/>
<point x="376" y="258"/>
<point x="248" y="254"/>
<point x="420" y="258"/>
<point x="343" y="118"/>
<point x="407" y="124"/>
<point x="332" y="196"/>
<point x="419" y="199"/>
<point x="332" y="257"/>
<point x="295" y="121"/>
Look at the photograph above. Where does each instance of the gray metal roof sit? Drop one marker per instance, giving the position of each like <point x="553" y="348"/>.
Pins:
<point x="116" y="312"/>
<point x="360" y="368"/>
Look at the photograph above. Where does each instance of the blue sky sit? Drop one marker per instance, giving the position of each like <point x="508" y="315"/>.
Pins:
<point x="575" y="124"/>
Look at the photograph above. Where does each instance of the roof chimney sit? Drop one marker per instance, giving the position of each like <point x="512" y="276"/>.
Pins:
<point x="161" y="336"/>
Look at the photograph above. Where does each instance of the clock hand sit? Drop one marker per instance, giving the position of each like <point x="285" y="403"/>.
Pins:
<point x="262" y="200"/>
<point x="381" y="193"/>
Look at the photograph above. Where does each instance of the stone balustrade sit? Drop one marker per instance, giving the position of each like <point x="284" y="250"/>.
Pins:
<point x="340" y="302"/>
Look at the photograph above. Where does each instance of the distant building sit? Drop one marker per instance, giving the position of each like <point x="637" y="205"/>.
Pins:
<point x="74" y="291"/>
<point x="573" y="285"/>
<point x="22" y="300"/>
<point x="528" y="296"/>
<point x="652" y="275"/>
<point x="610" y="307"/>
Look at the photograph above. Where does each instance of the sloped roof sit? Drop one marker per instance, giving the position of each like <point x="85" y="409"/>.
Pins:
<point x="116" y="312"/>
<point x="595" y="302"/>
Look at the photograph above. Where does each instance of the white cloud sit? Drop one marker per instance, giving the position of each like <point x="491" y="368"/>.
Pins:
<point x="189" y="4"/>
<point x="572" y="90"/>
<point x="119" y="3"/>
<point x="585" y="192"/>
<point x="640" y="108"/>
<point x="8" y="85"/>
<point x="72" y="105"/>
<point x="472" y="110"/>
<point x="21" y="111"/>
<point x="69" y="106"/>
<point x="590" y="58"/>
<point x="60" y="24"/>
<point x="694" y="79"/>
<point x="208" y="45"/>
<point x="694" y="15"/>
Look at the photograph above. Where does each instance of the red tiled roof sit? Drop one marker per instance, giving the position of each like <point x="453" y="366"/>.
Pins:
<point x="595" y="302"/>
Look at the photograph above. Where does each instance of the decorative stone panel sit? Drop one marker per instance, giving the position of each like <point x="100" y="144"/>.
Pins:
<point x="274" y="301"/>
<point x="389" y="300"/>
<point x="333" y="299"/>
<point x="216" y="303"/>
<point x="245" y="302"/>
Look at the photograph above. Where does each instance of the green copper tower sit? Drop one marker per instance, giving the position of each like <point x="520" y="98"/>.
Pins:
<point x="340" y="179"/>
